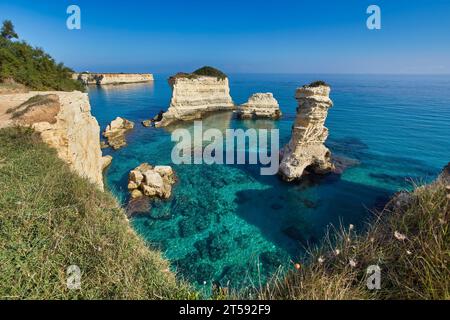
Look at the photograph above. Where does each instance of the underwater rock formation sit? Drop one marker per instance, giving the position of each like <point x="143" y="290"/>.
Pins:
<point x="115" y="132"/>
<point x="260" y="105"/>
<point x="151" y="181"/>
<point x="64" y="121"/>
<point x="306" y="149"/>
<point x="194" y="96"/>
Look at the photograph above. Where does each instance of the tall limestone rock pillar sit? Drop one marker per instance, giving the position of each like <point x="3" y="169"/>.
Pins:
<point x="306" y="150"/>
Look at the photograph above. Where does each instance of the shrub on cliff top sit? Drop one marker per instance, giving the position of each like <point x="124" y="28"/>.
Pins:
<point x="318" y="84"/>
<point x="204" y="71"/>
<point x="50" y="219"/>
<point x="210" y="72"/>
<point x="32" y="67"/>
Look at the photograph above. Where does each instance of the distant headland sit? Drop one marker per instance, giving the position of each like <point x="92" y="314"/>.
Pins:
<point x="88" y="78"/>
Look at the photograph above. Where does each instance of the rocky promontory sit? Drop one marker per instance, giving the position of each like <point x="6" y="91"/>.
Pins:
<point x="306" y="150"/>
<point x="151" y="181"/>
<point x="115" y="132"/>
<point x="64" y="122"/>
<point x="260" y="105"/>
<point x="112" y="78"/>
<point x="196" y="94"/>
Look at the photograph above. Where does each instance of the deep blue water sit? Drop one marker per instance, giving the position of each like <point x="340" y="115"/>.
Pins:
<point x="229" y="224"/>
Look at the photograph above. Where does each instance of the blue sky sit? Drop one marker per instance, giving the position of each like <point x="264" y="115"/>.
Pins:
<point x="262" y="36"/>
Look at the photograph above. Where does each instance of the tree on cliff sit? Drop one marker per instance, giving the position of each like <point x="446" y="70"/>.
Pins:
<point x="32" y="67"/>
<point x="7" y="31"/>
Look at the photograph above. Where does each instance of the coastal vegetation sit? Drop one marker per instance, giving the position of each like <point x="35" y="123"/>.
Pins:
<point x="409" y="241"/>
<point x="24" y="65"/>
<point x="51" y="219"/>
<point x="205" y="71"/>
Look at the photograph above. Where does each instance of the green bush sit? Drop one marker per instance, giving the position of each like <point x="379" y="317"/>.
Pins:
<point x="33" y="68"/>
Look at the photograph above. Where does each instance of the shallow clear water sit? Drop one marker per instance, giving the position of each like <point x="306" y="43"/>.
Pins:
<point x="229" y="224"/>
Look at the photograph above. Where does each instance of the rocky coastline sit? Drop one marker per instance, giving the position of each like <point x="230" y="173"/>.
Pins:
<point x="64" y="121"/>
<point x="112" y="78"/>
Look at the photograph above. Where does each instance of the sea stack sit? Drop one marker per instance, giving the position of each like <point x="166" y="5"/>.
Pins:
<point x="196" y="94"/>
<point x="306" y="150"/>
<point x="88" y="78"/>
<point x="260" y="105"/>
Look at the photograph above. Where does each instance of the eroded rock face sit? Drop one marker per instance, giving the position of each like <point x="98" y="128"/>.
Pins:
<point x="151" y="181"/>
<point x="106" y="162"/>
<point x="260" y="105"/>
<point x="192" y="98"/>
<point x="65" y="123"/>
<point x="306" y="149"/>
<point x="115" y="132"/>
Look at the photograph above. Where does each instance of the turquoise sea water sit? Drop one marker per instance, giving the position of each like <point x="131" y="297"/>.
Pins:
<point x="228" y="224"/>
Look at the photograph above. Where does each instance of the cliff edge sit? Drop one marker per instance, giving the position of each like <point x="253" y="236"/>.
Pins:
<point x="64" y="122"/>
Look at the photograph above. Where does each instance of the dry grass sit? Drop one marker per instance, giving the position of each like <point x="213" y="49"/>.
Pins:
<point x="410" y="243"/>
<point x="50" y="219"/>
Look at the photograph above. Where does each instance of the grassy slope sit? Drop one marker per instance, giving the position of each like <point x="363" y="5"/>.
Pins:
<point x="50" y="218"/>
<point x="417" y="267"/>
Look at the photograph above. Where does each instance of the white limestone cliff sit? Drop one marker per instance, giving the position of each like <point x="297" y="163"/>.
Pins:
<point x="306" y="150"/>
<point x="195" y="96"/>
<point x="112" y="78"/>
<point x="260" y="105"/>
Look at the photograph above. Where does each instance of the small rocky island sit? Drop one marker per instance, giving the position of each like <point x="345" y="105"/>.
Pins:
<point x="151" y="181"/>
<point x="88" y="78"/>
<point x="306" y="150"/>
<point x="196" y="94"/>
<point x="260" y="105"/>
<point x="115" y="132"/>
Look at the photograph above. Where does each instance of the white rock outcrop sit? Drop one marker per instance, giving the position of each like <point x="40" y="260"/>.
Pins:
<point x="195" y="96"/>
<point x="115" y="132"/>
<point x="64" y="122"/>
<point x="306" y="149"/>
<point x="260" y="105"/>
<point x="151" y="181"/>
<point x="112" y="78"/>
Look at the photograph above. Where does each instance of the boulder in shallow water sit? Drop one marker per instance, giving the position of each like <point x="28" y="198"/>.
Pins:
<point x="115" y="132"/>
<point x="147" y="123"/>
<point x="106" y="162"/>
<point x="152" y="181"/>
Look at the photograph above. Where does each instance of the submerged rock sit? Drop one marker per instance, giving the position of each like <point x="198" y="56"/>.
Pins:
<point x="306" y="149"/>
<point x="151" y="181"/>
<point x="260" y="105"/>
<point x="115" y="132"/>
